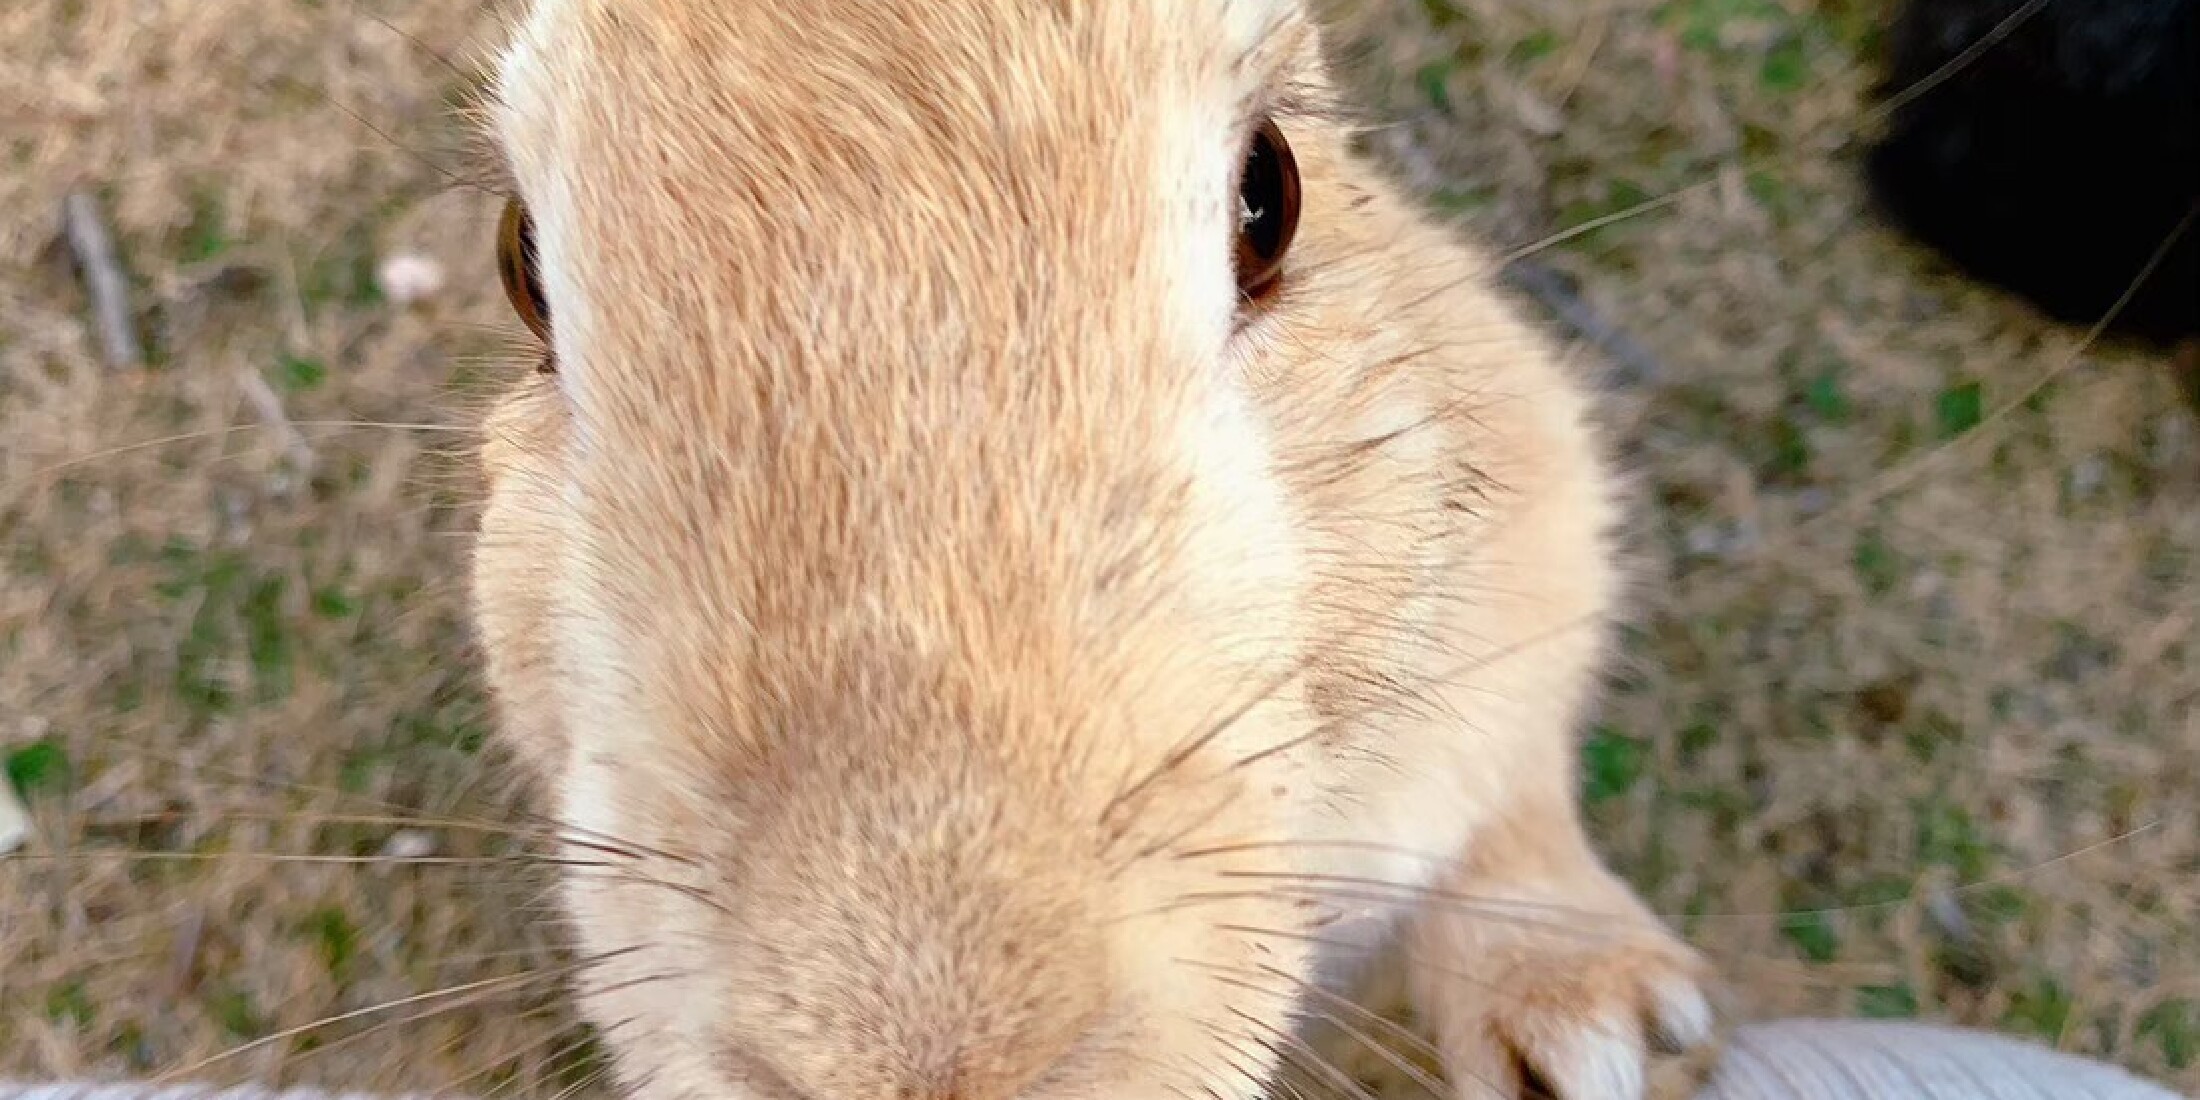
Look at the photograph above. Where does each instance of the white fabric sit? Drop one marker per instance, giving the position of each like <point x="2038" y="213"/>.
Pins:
<point x="1787" y="1060"/>
<point x="1853" y="1060"/>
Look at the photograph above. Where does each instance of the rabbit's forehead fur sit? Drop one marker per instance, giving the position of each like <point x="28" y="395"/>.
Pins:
<point x="723" y="169"/>
<point x="892" y="334"/>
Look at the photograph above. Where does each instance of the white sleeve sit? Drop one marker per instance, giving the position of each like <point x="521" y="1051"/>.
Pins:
<point x="1857" y="1060"/>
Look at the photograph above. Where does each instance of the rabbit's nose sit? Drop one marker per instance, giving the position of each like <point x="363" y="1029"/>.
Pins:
<point x="884" y="1064"/>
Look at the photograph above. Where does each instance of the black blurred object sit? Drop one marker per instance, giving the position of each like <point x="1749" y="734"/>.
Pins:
<point x="2060" y="159"/>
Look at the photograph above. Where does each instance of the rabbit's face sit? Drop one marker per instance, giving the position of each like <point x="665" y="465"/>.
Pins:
<point x="892" y="577"/>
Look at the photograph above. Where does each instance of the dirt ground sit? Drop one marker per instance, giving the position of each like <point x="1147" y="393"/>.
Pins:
<point x="1907" y="725"/>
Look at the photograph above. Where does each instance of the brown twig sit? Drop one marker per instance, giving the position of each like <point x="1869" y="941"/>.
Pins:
<point x="104" y="280"/>
<point x="183" y="958"/>
<point x="1632" y="364"/>
<point x="1584" y="53"/>
<point x="269" y="405"/>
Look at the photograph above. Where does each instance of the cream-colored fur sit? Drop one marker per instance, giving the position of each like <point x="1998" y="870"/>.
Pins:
<point x="974" y="655"/>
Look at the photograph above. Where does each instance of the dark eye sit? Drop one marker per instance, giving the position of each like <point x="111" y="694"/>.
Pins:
<point x="516" y="263"/>
<point x="1268" y="211"/>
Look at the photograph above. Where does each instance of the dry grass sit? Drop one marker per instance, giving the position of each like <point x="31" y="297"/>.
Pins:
<point x="1919" y="677"/>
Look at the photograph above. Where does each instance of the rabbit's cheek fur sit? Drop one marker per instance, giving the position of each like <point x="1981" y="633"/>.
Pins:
<point x="1049" y="943"/>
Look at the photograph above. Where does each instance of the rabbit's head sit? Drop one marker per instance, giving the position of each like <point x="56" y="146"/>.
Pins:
<point x="900" y="572"/>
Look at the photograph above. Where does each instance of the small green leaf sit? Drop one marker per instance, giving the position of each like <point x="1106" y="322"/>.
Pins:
<point x="1612" y="763"/>
<point x="300" y="373"/>
<point x="1785" y="67"/>
<point x="1535" y="47"/>
<point x="1435" y="81"/>
<point x="38" y="768"/>
<point x="333" y="603"/>
<point x="1813" y="934"/>
<point x="1875" y="563"/>
<point x="1825" y="398"/>
<point x="1960" y="409"/>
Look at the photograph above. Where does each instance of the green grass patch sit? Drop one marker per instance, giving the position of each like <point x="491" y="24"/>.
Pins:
<point x="2174" y="1027"/>
<point x="206" y="236"/>
<point x="343" y="274"/>
<point x="1947" y="837"/>
<point x="268" y="642"/>
<point x="232" y="1008"/>
<point x="2041" y="1008"/>
<point x="1886" y="1002"/>
<point x="336" y="936"/>
<point x="356" y="775"/>
<point x="1701" y="22"/>
<point x="68" y="1004"/>
<point x="237" y="606"/>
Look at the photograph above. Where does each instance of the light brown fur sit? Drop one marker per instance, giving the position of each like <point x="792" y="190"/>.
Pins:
<point x="994" y="665"/>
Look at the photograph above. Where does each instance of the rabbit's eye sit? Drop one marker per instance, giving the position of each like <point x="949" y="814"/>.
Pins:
<point x="1268" y="211"/>
<point x="516" y="263"/>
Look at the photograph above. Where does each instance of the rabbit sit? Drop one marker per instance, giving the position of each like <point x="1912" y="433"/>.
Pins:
<point x="1026" y="563"/>
<point x="2052" y="150"/>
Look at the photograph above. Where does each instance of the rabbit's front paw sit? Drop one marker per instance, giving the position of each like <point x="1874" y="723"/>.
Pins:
<point x="1575" y="994"/>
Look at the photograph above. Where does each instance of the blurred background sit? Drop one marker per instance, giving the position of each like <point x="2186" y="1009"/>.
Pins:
<point x="1906" y="726"/>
